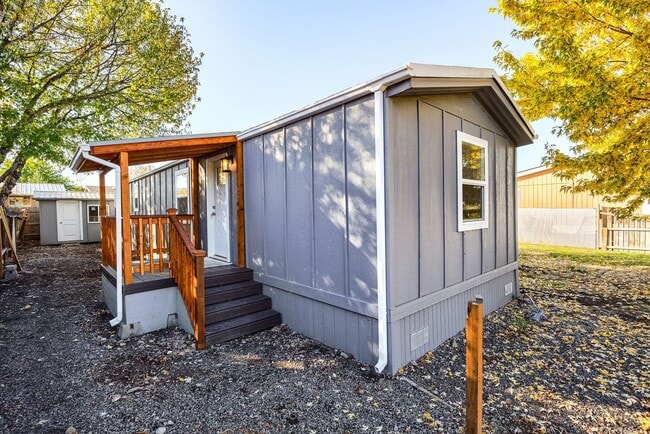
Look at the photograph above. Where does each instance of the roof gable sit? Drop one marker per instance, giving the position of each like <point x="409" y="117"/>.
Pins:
<point x="420" y="79"/>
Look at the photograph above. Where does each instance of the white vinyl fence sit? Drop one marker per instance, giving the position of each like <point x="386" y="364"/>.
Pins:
<point x="573" y="227"/>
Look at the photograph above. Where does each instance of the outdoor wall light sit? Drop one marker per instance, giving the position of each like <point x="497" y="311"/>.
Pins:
<point x="226" y="164"/>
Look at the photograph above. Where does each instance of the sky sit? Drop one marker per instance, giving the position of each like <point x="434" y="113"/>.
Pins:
<point x="262" y="59"/>
<point x="265" y="58"/>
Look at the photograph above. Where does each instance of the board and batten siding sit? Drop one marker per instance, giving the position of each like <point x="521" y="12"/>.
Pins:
<point x="311" y="224"/>
<point x="431" y="263"/>
<point x="156" y="190"/>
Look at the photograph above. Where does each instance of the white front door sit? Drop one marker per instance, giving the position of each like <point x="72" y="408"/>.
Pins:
<point x="219" y="213"/>
<point x="68" y="215"/>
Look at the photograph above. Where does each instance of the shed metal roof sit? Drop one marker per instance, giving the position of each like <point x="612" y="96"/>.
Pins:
<point x="69" y="195"/>
<point x="28" y="189"/>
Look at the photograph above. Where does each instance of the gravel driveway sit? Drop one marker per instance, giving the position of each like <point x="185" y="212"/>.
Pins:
<point x="582" y="369"/>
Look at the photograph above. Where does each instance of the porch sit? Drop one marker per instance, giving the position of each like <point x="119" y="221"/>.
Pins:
<point x="158" y="252"/>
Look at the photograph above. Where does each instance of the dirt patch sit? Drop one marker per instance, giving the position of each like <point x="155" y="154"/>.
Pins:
<point x="581" y="369"/>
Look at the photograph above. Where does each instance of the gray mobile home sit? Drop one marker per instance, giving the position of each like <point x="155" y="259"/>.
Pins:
<point x="383" y="209"/>
<point x="368" y="218"/>
<point x="69" y="216"/>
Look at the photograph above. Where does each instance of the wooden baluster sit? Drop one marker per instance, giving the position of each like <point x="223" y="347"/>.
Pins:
<point x="140" y="241"/>
<point x="152" y="264"/>
<point x="159" y="242"/>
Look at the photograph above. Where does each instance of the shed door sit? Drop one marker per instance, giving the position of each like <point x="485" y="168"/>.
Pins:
<point x="68" y="213"/>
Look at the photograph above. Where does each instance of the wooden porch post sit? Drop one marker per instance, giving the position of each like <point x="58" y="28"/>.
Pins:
<point x="126" y="217"/>
<point x="474" y="367"/>
<point x="102" y="195"/>
<point x="194" y="183"/>
<point x="241" y="229"/>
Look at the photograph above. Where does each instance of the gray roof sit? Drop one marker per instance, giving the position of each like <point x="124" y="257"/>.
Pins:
<point x="69" y="195"/>
<point x="28" y="189"/>
<point x="415" y="78"/>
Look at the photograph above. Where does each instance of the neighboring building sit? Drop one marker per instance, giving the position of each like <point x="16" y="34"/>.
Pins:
<point x="370" y="218"/>
<point x="95" y="189"/>
<point x="539" y="187"/>
<point x="22" y="193"/>
<point x="550" y="213"/>
<point x="70" y="216"/>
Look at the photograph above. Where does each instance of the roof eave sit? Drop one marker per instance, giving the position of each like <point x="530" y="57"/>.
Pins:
<point x="486" y="86"/>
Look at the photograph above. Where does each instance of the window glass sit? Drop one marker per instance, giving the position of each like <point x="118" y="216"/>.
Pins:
<point x="135" y="193"/>
<point x="472" y="202"/>
<point x="182" y="192"/>
<point x="93" y="213"/>
<point x="473" y="162"/>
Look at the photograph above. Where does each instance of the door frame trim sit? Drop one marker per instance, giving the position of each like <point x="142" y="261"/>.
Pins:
<point x="211" y="166"/>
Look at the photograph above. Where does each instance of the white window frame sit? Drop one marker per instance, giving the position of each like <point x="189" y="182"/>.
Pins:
<point x="135" y="195"/>
<point x="484" y="222"/>
<point x="178" y="173"/>
<point x="99" y="216"/>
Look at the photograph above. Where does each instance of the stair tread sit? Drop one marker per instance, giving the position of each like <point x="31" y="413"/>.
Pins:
<point x="230" y="287"/>
<point x="216" y="307"/>
<point x="225" y="271"/>
<point x="240" y="321"/>
<point x="215" y="277"/>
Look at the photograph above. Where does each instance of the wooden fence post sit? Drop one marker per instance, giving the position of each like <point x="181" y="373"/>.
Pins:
<point x="474" y="367"/>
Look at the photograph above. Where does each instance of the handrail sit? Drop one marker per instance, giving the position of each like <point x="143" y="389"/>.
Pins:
<point x="186" y="266"/>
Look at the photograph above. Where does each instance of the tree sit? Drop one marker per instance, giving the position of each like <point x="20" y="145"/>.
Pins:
<point x="590" y="72"/>
<point x="43" y="172"/>
<point x="72" y="71"/>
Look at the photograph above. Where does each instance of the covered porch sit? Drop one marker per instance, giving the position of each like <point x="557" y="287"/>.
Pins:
<point x="143" y="252"/>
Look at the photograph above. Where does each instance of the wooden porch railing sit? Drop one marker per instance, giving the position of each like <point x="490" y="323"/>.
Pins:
<point x="186" y="267"/>
<point x="149" y="241"/>
<point x="109" y="247"/>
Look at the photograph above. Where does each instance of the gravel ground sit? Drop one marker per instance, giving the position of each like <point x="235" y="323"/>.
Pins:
<point x="582" y="369"/>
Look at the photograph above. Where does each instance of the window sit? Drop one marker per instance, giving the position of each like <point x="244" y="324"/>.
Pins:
<point x="472" y="182"/>
<point x="135" y="194"/>
<point x="93" y="213"/>
<point x="182" y="192"/>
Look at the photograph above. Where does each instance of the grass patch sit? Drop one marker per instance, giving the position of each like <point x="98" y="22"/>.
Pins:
<point x="587" y="256"/>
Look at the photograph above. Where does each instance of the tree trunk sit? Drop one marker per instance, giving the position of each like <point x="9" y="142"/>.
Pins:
<point x="10" y="177"/>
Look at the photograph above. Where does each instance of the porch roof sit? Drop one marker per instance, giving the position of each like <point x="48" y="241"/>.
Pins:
<point x="151" y="149"/>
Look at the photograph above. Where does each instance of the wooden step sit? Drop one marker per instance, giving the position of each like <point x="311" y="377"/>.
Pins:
<point x="218" y="294"/>
<point x="234" y="308"/>
<point x="241" y="326"/>
<point x="217" y="276"/>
